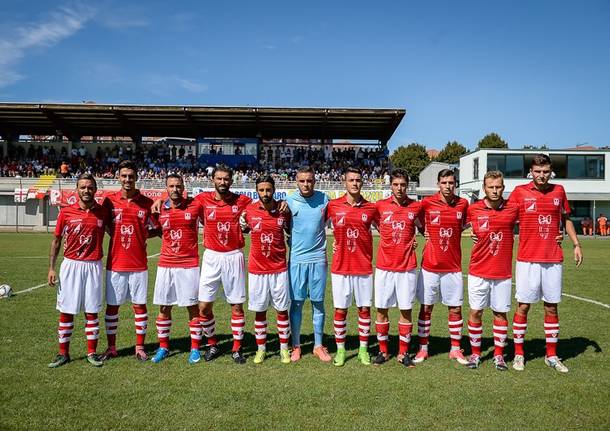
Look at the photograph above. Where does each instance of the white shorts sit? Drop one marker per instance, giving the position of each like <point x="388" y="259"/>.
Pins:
<point x="266" y="289"/>
<point x="395" y="287"/>
<point x="80" y="286"/>
<point x="346" y="286"/>
<point x="536" y="281"/>
<point x="228" y="269"/>
<point x="124" y="285"/>
<point x="176" y="286"/>
<point x="486" y="292"/>
<point x="444" y="287"/>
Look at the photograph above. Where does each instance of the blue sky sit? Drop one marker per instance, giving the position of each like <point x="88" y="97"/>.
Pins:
<point x="536" y="72"/>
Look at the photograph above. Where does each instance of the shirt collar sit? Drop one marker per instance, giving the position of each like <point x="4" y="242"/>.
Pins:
<point x="357" y="204"/>
<point x="136" y="196"/>
<point x="487" y="206"/>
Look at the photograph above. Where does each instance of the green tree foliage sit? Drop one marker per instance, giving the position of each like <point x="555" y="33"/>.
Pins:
<point x="492" y="140"/>
<point x="451" y="152"/>
<point x="413" y="158"/>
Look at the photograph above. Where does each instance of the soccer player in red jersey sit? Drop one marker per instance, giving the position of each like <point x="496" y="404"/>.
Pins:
<point x="178" y="269"/>
<point x="82" y="225"/>
<point x="396" y="275"/>
<point x="127" y="264"/>
<point x="440" y="277"/>
<point x="223" y="260"/>
<point x="543" y="209"/>
<point x="489" y="275"/>
<point x="267" y="267"/>
<point x="351" y="270"/>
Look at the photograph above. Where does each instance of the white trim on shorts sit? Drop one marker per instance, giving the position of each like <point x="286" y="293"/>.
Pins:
<point x="395" y="288"/>
<point x="268" y="289"/>
<point x="536" y="281"/>
<point x="176" y="286"/>
<point x="226" y="268"/>
<point x="80" y="286"/>
<point x="444" y="287"/>
<point x="487" y="292"/>
<point x="124" y="285"/>
<point x="347" y="286"/>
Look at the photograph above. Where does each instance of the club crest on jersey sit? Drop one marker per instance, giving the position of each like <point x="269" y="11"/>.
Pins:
<point x="187" y="216"/>
<point x="364" y="217"/>
<point x="411" y="216"/>
<point x="556" y="202"/>
<point x="530" y="205"/>
<point x="280" y="221"/>
<point x="458" y="215"/>
<point x="435" y="217"/>
<point x="100" y="223"/>
<point x="141" y="213"/>
<point x="234" y="208"/>
<point x="483" y="222"/>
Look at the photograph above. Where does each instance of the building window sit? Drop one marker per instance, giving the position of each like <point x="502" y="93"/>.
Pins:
<point x="496" y="162"/>
<point x="591" y="167"/>
<point x="564" y="166"/>
<point x="514" y="166"/>
<point x="475" y="168"/>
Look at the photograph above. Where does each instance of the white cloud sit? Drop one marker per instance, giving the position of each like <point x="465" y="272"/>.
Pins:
<point x="55" y="27"/>
<point x="191" y="86"/>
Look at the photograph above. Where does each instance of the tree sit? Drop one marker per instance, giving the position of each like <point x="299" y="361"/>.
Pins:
<point x="451" y="153"/>
<point x="413" y="158"/>
<point x="492" y="140"/>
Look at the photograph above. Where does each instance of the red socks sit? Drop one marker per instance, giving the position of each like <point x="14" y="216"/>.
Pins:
<point x="64" y="333"/>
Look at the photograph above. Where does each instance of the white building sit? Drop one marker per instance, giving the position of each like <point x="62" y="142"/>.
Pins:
<point x="582" y="174"/>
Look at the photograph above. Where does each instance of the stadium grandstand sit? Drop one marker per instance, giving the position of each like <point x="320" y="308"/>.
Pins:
<point x="64" y="140"/>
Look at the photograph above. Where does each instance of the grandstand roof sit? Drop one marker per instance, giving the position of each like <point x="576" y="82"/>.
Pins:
<point x="76" y="120"/>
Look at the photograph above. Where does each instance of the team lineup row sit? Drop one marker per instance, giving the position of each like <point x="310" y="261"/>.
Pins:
<point x="540" y="208"/>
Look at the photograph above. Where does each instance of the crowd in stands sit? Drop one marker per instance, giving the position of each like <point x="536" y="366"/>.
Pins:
<point x="157" y="160"/>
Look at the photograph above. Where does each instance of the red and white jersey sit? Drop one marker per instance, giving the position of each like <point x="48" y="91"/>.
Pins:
<point x="83" y="231"/>
<point x="353" y="242"/>
<point x="540" y="216"/>
<point x="267" y="244"/>
<point x="397" y="233"/>
<point x="492" y="255"/>
<point x="129" y="224"/>
<point x="179" y="228"/>
<point x="444" y="223"/>
<point x="221" y="231"/>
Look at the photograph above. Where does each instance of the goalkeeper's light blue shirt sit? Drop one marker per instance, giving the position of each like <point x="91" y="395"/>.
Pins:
<point x="308" y="235"/>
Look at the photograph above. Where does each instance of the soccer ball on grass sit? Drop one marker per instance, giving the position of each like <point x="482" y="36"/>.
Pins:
<point x="6" y="291"/>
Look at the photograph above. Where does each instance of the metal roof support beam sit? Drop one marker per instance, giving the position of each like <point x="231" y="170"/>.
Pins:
<point x="135" y="137"/>
<point x="61" y="127"/>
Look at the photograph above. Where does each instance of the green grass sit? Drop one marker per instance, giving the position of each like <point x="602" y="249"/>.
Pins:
<point x="125" y="394"/>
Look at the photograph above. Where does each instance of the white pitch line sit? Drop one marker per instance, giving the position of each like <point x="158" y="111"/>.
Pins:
<point x="586" y="300"/>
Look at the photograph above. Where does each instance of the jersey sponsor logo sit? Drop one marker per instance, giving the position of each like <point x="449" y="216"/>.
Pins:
<point x="187" y="216"/>
<point x="556" y="202"/>
<point x="141" y="213"/>
<point x="397" y="228"/>
<point x="435" y="217"/>
<point x="257" y="224"/>
<point x="175" y="235"/>
<point x="126" y="232"/>
<point x="352" y="236"/>
<point x="118" y="215"/>
<point x="84" y="241"/>
<point x="212" y="214"/>
<point x="530" y="205"/>
<point x="266" y="241"/>
<point x="223" y="232"/>
<point x="483" y="222"/>
<point x="387" y="217"/>
<point x="495" y="238"/>
<point x="341" y="219"/>
<point x="445" y="234"/>
<point x="544" y="225"/>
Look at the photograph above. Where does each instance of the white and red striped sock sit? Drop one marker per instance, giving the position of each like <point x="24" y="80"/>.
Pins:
<point x="111" y="320"/>
<point x="238" y="321"/>
<point x="364" y="327"/>
<point x="92" y="330"/>
<point x="475" y="333"/>
<point x="519" y="330"/>
<point x="141" y="323"/>
<point x="382" y="329"/>
<point x="455" y="324"/>
<point x="260" y="330"/>
<point x="404" y="337"/>
<point x="283" y="328"/>
<point x="195" y="329"/>
<point x="500" y="332"/>
<point x="208" y="324"/>
<point x="423" y="328"/>
<point x="64" y="333"/>
<point x="164" y="327"/>
<point x="340" y="324"/>
<point x="551" y="331"/>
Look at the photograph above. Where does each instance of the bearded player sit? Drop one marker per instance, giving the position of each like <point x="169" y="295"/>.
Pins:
<point x="396" y="275"/>
<point x="351" y="270"/>
<point x="178" y="269"/>
<point x="543" y="209"/>
<point x="440" y="277"/>
<point x="267" y="269"/>
<point x="127" y="265"/>
<point x="82" y="225"/>
<point x="489" y="275"/>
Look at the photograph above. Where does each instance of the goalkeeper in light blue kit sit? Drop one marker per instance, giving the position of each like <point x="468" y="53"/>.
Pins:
<point x="308" y="262"/>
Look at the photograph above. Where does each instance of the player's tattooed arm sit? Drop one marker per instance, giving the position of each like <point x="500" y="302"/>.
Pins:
<point x="55" y="246"/>
<point x="571" y="232"/>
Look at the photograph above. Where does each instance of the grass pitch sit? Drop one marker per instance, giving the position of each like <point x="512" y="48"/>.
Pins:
<point x="438" y="394"/>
